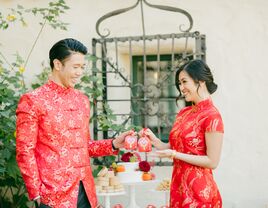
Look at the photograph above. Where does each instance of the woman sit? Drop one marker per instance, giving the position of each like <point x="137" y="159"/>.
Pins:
<point x="195" y="141"/>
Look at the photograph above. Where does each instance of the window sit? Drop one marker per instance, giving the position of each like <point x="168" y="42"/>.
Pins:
<point x="154" y="94"/>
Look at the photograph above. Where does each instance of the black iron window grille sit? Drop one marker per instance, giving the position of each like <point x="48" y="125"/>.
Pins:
<point x="138" y="73"/>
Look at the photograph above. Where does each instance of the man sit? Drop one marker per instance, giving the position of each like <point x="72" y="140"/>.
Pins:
<point x="53" y="142"/>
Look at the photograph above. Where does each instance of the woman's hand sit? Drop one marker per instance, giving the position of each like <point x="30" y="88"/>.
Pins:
<point x="118" y="142"/>
<point x="167" y="153"/>
<point x="156" y="142"/>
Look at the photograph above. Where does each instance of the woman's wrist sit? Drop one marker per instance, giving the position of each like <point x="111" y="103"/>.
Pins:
<point x="173" y="154"/>
<point x="158" y="143"/>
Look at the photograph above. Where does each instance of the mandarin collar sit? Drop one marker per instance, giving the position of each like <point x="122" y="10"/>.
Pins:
<point x="60" y="89"/>
<point x="202" y="104"/>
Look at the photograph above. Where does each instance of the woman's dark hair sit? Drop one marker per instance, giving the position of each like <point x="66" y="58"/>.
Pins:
<point x="64" y="48"/>
<point x="198" y="70"/>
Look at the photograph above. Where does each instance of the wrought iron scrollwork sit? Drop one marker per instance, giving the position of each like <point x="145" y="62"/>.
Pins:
<point x="173" y="9"/>
<point x="110" y="14"/>
<point x="140" y="83"/>
<point x="161" y="7"/>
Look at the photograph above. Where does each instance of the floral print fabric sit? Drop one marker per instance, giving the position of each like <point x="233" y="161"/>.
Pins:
<point x="193" y="186"/>
<point x="54" y="147"/>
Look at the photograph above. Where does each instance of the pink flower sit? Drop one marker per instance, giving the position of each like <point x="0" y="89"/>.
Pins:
<point x="151" y="206"/>
<point x="137" y="155"/>
<point x="118" y="206"/>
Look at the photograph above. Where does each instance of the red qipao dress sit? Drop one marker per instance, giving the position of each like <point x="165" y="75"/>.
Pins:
<point x="193" y="186"/>
<point x="54" y="146"/>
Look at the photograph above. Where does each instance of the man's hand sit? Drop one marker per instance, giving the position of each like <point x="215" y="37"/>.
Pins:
<point x="118" y="142"/>
<point x="37" y="202"/>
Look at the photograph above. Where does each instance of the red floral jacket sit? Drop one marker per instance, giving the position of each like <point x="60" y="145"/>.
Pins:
<point x="53" y="145"/>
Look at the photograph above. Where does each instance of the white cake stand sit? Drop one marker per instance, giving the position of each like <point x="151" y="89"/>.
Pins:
<point x="132" y="190"/>
<point x="107" y="197"/>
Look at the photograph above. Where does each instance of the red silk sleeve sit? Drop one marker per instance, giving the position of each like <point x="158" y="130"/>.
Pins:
<point x="214" y="123"/>
<point x="27" y="131"/>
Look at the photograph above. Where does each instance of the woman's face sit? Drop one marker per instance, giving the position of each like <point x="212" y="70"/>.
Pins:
<point x="188" y="87"/>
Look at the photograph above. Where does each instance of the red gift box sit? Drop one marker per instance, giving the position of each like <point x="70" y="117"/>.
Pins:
<point x="130" y="142"/>
<point x="144" y="144"/>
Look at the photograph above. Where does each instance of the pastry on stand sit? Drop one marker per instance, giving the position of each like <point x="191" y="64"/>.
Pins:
<point x="164" y="187"/>
<point x="108" y="185"/>
<point x="107" y="182"/>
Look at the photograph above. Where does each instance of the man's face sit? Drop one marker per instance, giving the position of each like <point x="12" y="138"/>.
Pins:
<point x="71" y="70"/>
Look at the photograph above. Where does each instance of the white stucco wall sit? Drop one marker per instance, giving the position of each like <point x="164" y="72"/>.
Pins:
<point x="237" y="39"/>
